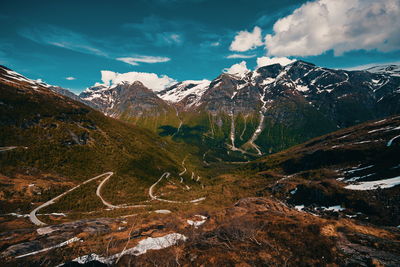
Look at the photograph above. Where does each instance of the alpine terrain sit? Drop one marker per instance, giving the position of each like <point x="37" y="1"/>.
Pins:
<point x="172" y="133"/>
<point x="124" y="175"/>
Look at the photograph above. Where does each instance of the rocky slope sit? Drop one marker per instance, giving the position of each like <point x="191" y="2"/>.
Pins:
<point x="355" y="171"/>
<point x="132" y="102"/>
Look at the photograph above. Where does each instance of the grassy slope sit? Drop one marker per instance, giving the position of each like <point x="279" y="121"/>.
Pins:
<point x="70" y="140"/>
<point x="287" y="123"/>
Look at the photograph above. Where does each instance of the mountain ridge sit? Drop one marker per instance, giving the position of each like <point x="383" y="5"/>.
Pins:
<point x="273" y="107"/>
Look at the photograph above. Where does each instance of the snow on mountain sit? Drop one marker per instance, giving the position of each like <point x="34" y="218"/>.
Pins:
<point x="12" y="76"/>
<point x="100" y="95"/>
<point x="130" y="98"/>
<point x="179" y="91"/>
<point x="393" y="70"/>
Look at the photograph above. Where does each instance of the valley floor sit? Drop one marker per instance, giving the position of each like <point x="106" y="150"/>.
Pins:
<point x="312" y="205"/>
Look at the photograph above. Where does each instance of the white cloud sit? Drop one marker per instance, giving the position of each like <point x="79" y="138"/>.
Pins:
<point x="70" y="78"/>
<point x="150" y="80"/>
<point x="60" y="37"/>
<point x="165" y="38"/>
<point x="159" y="32"/>
<point x="245" y="40"/>
<point x="239" y="69"/>
<point x="175" y="37"/>
<point x="265" y="61"/>
<point x="215" y="44"/>
<point x="341" y="25"/>
<point x="240" y="56"/>
<point x="143" y="59"/>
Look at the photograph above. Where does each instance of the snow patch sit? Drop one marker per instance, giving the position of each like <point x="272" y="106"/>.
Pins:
<point x="142" y="247"/>
<point x="184" y="89"/>
<point x="302" y="88"/>
<point x="45" y="230"/>
<point x="299" y="207"/>
<point x="196" y="223"/>
<point x="162" y="211"/>
<point x="372" y="185"/>
<point x="336" y="208"/>
<point x="156" y="243"/>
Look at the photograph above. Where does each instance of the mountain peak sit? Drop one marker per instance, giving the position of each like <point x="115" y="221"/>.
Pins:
<point x="391" y="69"/>
<point x="302" y="62"/>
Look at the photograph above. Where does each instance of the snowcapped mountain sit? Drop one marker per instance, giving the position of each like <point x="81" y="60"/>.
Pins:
<point x="130" y="100"/>
<point x="187" y="92"/>
<point x="331" y="92"/>
<point x="10" y="76"/>
<point x="393" y="70"/>
<point x="321" y="87"/>
<point x="253" y="112"/>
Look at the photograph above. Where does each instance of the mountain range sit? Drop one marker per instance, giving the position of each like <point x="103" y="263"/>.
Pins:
<point x="255" y="112"/>
<point x="243" y="115"/>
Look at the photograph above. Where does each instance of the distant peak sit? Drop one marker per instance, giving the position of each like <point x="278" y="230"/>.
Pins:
<point x="302" y="62"/>
<point x="138" y="83"/>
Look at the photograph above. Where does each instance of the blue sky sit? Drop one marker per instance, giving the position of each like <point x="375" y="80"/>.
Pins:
<point x="192" y="39"/>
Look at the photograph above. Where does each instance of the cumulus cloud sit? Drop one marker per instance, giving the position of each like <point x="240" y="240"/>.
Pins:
<point x="143" y="59"/>
<point x="240" y="56"/>
<point x="70" y="78"/>
<point x="338" y="25"/>
<point x="150" y="80"/>
<point x="245" y="40"/>
<point x="265" y="61"/>
<point x="239" y="69"/>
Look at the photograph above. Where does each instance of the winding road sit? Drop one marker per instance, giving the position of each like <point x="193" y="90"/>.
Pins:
<point x="33" y="218"/>
<point x="32" y="215"/>
<point x="153" y="197"/>
<point x="184" y="168"/>
<point x="108" y="204"/>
